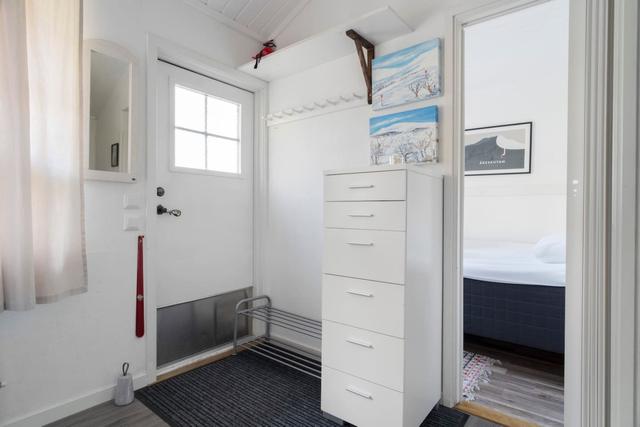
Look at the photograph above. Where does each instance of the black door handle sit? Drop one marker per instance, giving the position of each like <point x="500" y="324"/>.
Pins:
<point x="162" y="210"/>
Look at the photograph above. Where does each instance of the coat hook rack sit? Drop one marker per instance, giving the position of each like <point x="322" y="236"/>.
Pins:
<point x="315" y="108"/>
<point x="365" y="64"/>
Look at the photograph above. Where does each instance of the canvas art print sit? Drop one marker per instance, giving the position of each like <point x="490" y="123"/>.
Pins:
<point x="498" y="150"/>
<point x="408" y="75"/>
<point x="408" y="137"/>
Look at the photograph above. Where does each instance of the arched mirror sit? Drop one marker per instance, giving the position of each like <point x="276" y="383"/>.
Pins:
<point x="109" y="80"/>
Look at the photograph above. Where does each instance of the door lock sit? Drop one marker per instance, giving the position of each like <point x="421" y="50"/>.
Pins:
<point x="162" y="210"/>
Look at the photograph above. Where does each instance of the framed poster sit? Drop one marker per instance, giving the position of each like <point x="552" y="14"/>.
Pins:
<point x="498" y="150"/>
<point x="406" y="137"/>
<point x="115" y="155"/>
<point x="409" y="75"/>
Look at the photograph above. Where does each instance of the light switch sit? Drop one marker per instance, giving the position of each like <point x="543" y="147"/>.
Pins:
<point x="133" y="222"/>
<point x="133" y="201"/>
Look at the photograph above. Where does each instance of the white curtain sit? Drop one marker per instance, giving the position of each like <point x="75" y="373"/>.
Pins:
<point x="42" y="255"/>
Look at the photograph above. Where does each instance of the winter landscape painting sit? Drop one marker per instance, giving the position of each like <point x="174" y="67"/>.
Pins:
<point x="407" y="137"/>
<point x="408" y="75"/>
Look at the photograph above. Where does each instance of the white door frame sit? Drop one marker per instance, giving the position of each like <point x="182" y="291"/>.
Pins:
<point x="587" y="229"/>
<point x="160" y="48"/>
<point x="624" y="319"/>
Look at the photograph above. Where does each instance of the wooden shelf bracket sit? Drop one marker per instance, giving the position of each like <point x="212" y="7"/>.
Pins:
<point x="365" y="64"/>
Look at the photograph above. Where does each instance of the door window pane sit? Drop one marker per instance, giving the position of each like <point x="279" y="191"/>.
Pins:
<point x="222" y="117"/>
<point x="222" y="155"/>
<point x="206" y="133"/>
<point x="189" y="149"/>
<point x="189" y="109"/>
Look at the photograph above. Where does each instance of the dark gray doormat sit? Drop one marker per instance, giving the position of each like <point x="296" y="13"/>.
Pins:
<point x="248" y="390"/>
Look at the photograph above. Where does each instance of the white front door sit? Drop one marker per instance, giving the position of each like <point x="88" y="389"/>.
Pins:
<point x="204" y="165"/>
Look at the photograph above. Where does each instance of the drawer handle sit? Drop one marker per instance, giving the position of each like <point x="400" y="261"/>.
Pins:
<point x="356" y="186"/>
<point x="359" y="342"/>
<point x="360" y="243"/>
<point x="360" y="393"/>
<point x="361" y="215"/>
<point x="360" y="293"/>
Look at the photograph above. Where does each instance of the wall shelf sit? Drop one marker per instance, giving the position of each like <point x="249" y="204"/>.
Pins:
<point x="378" y="27"/>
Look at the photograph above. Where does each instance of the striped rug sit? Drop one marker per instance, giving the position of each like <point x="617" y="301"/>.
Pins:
<point x="247" y="390"/>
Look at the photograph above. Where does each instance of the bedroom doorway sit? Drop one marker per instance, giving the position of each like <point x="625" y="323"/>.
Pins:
<point x="515" y="72"/>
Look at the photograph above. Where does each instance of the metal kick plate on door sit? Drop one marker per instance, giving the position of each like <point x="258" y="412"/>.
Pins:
<point x="196" y="326"/>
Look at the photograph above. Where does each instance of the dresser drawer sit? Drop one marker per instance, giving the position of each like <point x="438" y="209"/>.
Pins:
<point x="368" y="355"/>
<point x="360" y="402"/>
<point x="365" y="254"/>
<point x="378" y="307"/>
<point x="365" y="215"/>
<point x="389" y="185"/>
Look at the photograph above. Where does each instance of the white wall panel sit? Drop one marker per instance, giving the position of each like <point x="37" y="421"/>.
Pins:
<point x="516" y="70"/>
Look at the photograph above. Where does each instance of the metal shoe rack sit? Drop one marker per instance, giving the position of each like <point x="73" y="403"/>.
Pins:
<point x="265" y="345"/>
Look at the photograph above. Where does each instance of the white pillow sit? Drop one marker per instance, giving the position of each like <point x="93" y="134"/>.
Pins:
<point x="551" y="249"/>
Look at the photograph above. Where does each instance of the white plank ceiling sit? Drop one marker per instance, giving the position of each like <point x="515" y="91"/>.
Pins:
<point x="260" y="19"/>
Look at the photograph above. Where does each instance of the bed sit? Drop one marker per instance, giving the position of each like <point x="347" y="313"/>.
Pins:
<point x="514" y="292"/>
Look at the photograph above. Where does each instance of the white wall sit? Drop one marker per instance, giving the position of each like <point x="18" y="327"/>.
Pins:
<point x="300" y="151"/>
<point x="516" y="70"/>
<point x="58" y="353"/>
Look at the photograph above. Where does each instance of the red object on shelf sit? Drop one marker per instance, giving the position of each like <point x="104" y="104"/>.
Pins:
<point x="140" y="290"/>
<point x="268" y="47"/>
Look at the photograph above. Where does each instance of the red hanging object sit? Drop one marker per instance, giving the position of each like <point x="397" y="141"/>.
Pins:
<point x="140" y="290"/>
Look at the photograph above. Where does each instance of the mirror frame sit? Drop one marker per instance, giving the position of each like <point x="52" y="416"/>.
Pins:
<point x="111" y="49"/>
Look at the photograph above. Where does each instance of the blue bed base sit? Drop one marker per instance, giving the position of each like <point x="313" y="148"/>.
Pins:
<point x="526" y="315"/>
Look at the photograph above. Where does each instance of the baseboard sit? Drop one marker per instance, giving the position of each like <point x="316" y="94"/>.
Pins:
<point x="298" y="344"/>
<point x="72" y="406"/>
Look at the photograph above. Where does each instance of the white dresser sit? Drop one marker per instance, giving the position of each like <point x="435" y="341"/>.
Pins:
<point x="382" y="295"/>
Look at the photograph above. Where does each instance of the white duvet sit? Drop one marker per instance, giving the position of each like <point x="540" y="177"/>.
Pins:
<point x="509" y="262"/>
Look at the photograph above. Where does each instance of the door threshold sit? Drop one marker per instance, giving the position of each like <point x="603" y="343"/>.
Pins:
<point x="492" y="415"/>
<point x="193" y="363"/>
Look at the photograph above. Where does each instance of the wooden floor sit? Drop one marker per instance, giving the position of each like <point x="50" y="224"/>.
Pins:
<point x="107" y="414"/>
<point x="522" y="388"/>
